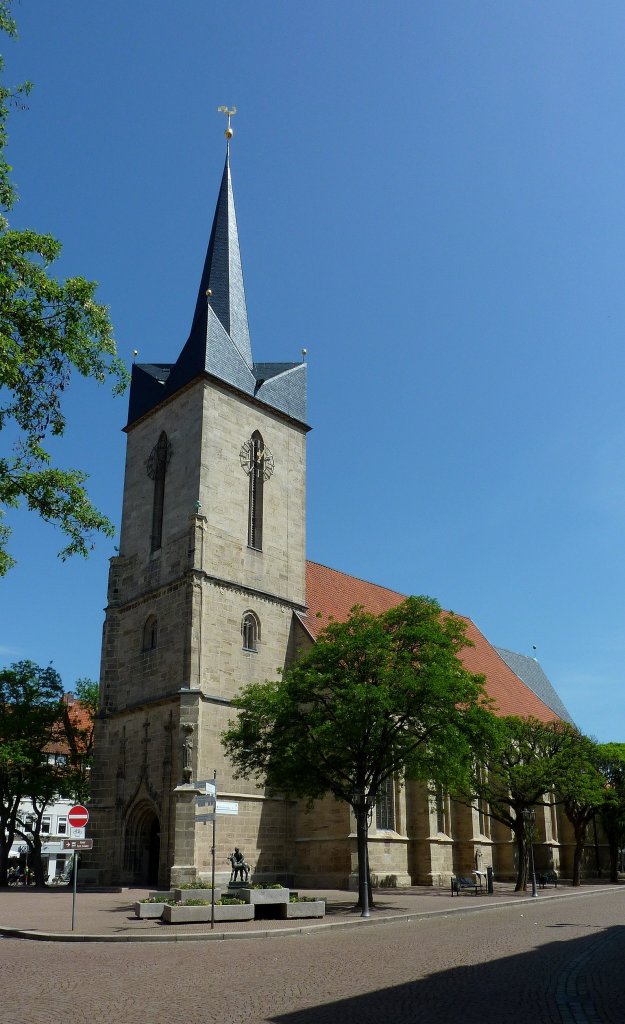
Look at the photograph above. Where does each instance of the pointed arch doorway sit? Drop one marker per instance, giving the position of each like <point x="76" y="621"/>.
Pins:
<point x="142" y="845"/>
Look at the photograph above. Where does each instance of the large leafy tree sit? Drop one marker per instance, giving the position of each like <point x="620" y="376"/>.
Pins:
<point x="46" y="747"/>
<point x="374" y="697"/>
<point x="612" y="761"/>
<point x="30" y="698"/>
<point x="524" y="760"/>
<point x="76" y="737"/>
<point x="581" y="789"/>
<point x="48" y="329"/>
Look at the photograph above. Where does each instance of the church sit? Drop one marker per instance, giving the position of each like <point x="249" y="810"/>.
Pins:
<point x="210" y="591"/>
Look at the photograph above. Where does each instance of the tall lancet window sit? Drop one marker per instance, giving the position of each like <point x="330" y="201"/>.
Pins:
<point x="157" y="468"/>
<point x="257" y="479"/>
<point x="257" y="461"/>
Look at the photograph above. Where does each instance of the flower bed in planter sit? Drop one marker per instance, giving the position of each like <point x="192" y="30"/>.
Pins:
<point x="264" y="896"/>
<point x="303" y="908"/>
<point x="184" y="913"/>
<point x="197" y="893"/>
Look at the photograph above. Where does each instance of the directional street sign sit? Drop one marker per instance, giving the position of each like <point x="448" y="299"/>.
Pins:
<point x="78" y="844"/>
<point x="78" y="816"/>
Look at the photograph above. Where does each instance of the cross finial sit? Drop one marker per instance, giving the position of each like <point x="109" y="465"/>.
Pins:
<point x="229" y="112"/>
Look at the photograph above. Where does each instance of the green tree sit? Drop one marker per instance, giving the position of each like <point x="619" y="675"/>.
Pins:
<point x="48" y="328"/>
<point x="30" y="699"/>
<point x="77" y="724"/>
<point x="581" y="789"/>
<point x="376" y="696"/>
<point x="524" y="760"/>
<point x="612" y="760"/>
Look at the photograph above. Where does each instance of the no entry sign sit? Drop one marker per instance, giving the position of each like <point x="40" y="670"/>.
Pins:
<point x="78" y="816"/>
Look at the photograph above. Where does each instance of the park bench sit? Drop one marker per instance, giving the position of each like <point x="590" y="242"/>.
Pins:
<point x="461" y="882"/>
<point x="545" y="878"/>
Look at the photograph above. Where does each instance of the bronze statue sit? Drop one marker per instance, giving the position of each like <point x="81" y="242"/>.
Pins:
<point x="239" y="866"/>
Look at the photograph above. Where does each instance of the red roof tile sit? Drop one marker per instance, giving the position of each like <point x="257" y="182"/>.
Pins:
<point x="331" y="595"/>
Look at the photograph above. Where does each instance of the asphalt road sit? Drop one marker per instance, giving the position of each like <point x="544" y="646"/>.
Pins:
<point x="560" y="961"/>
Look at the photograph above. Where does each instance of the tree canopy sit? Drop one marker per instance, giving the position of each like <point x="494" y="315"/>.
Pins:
<point x="48" y="329"/>
<point x="46" y="744"/>
<point x="375" y="696"/>
<point x="522" y="762"/>
<point x="30" y="697"/>
<point x="612" y="763"/>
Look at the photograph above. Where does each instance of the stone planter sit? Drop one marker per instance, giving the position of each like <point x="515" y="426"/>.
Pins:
<point x="202" y="915"/>
<point x="234" y="912"/>
<point x="149" y="910"/>
<point x="305" y="909"/>
<point x="196" y="894"/>
<point x="169" y="893"/>
<point x="185" y="914"/>
<point x="262" y="897"/>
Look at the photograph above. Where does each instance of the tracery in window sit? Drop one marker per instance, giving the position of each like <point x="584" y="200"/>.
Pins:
<point x="250" y="631"/>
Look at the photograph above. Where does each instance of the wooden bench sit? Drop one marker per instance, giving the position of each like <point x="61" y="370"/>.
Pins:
<point x="545" y="878"/>
<point x="461" y="882"/>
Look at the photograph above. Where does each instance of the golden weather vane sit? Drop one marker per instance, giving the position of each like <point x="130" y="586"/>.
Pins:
<point x="229" y="112"/>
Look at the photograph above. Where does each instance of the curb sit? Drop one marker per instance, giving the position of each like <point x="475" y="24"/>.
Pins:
<point x="21" y="933"/>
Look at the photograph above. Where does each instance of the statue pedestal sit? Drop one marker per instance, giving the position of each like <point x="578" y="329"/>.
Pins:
<point x="183" y="869"/>
<point x="240" y="885"/>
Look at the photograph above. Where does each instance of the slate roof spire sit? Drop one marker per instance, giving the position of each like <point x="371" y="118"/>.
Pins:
<point x="222" y="275"/>
<point x="219" y="340"/>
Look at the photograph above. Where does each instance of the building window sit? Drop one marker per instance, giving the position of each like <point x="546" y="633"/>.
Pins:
<point x="256" y="484"/>
<point x="439" y="801"/>
<point x="157" y="468"/>
<point x="150" y="633"/>
<point x="553" y="807"/>
<point x="61" y="827"/>
<point x="46" y="822"/>
<point x="250" y="631"/>
<point x="385" y="805"/>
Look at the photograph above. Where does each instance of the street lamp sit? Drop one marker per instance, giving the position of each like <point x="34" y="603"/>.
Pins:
<point x="360" y="803"/>
<point x="529" y="817"/>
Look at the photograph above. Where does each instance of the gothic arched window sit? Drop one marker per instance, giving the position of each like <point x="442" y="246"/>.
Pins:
<point x="157" y="468"/>
<point x="250" y="631"/>
<point x="257" y="479"/>
<point x="150" y="633"/>
<point x="385" y="805"/>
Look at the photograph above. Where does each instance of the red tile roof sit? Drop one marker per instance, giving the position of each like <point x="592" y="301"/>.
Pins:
<point x="332" y="594"/>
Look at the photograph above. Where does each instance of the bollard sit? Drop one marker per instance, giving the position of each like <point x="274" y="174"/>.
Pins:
<point x="489" y="881"/>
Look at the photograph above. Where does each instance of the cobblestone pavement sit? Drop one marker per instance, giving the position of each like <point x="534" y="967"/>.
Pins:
<point x="551" y="961"/>
<point x="110" y="914"/>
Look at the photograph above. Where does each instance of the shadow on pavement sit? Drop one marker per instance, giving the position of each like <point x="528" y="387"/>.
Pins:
<point x="577" y="980"/>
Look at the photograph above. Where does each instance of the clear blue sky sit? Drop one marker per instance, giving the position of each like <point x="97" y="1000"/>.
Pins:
<point x="431" y="200"/>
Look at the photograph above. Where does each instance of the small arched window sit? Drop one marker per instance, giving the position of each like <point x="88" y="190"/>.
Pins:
<point x="157" y="468"/>
<point x="150" y="633"/>
<point x="250" y="631"/>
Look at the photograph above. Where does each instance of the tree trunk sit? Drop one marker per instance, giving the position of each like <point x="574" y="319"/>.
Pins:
<point x="37" y="863"/>
<point x="580" y="839"/>
<point x="363" y="881"/>
<point x="521" y="878"/>
<point x="613" y="860"/>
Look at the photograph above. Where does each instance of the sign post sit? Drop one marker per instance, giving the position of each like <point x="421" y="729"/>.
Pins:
<point x="77" y="818"/>
<point x="209" y="801"/>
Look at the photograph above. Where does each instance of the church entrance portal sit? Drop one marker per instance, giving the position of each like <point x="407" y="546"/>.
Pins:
<point x="142" y="848"/>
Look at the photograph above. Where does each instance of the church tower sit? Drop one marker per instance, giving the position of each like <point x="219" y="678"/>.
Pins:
<point x="203" y="594"/>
